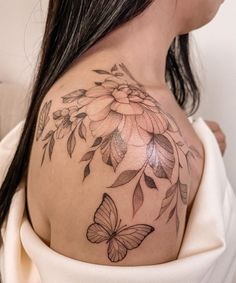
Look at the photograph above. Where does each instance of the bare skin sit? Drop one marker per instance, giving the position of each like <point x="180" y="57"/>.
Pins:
<point x="115" y="164"/>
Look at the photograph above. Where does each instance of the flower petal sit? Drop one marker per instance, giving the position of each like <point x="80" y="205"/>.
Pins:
<point x="125" y="128"/>
<point x="122" y="108"/>
<point x="137" y="108"/>
<point x="124" y="100"/>
<point x="110" y="84"/>
<point x="106" y="126"/>
<point x="84" y="100"/>
<point x="148" y="102"/>
<point x="131" y="133"/>
<point x="98" y="91"/>
<point x="159" y="122"/>
<point x="127" y="109"/>
<point x="144" y="135"/>
<point x="99" y="108"/>
<point x="135" y="98"/>
<point x="135" y="138"/>
<point x="144" y="122"/>
<point x="119" y="94"/>
<point x="73" y="109"/>
<point x="154" y="109"/>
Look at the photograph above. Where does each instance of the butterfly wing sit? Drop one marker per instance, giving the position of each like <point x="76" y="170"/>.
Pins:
<point x="106" y="215"/>
<point x="127" y="239"/>
<point x="116" y="250"/>
<point x="133" y="236"/>
<point x="96" y="233"/>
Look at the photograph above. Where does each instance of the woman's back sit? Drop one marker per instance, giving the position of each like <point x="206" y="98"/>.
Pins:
<point x="109" y="154"/>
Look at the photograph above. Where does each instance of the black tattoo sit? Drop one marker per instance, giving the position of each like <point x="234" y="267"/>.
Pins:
<point x="43" y="119"/>
<point x="107" y="227"/>
<point x="121" y="114"/>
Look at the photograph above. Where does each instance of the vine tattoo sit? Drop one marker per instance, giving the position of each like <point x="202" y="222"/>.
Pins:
<point x="121" y="114"/>
<point x="107" y="227"/>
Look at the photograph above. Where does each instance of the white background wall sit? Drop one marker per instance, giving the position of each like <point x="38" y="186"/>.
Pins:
<point x="217" y="49"/>
<point x="21" y="26"/>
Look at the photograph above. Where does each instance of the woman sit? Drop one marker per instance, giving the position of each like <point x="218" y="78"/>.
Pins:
<point x="111" y="163"/>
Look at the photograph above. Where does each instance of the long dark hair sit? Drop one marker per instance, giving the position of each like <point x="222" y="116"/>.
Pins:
<point x="72" y="27"/>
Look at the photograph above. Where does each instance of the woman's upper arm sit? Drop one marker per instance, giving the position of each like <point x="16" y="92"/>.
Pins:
<point x="109" y="170"/>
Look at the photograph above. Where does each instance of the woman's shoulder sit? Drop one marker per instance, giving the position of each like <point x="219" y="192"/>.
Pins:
<point x="109" y="165"/>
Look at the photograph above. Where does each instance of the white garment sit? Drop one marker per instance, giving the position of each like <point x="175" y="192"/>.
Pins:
<point x="207" y="255"/>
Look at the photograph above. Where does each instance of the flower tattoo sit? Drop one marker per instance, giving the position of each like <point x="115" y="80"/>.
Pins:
<point x="121" y="114"/>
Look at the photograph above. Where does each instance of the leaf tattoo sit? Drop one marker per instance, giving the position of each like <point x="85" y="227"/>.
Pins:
<point x="172" y="193"/>
<point x="73" y="96"/>
<point x="138" y="198"/>
<point x="49" y="145"/>
<point x="109" y="155"/>
<point x="71" y="143"/>
<point x="150" y="182"/>
<point x="43" y="119"/>
<point x="161" y="157"/>
<point x="124" y="178"/>
<point x="125" y="116"/>
<point x="88" y="156"/>
<point x="107" y="227"/>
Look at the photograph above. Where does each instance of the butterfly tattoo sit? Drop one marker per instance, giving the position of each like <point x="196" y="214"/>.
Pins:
<point x="107" y="227"/>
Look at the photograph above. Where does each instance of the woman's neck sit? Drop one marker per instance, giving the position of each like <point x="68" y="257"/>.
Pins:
<point x="142" y="44"/>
